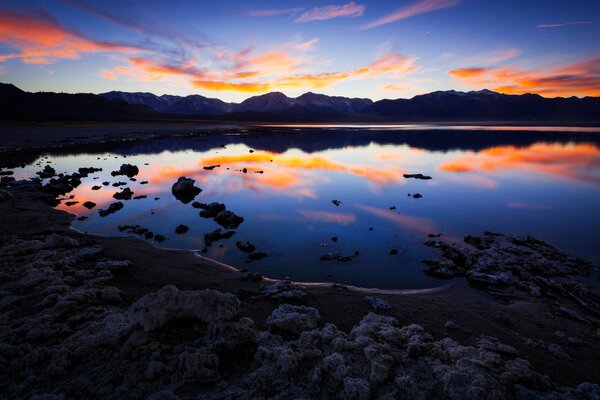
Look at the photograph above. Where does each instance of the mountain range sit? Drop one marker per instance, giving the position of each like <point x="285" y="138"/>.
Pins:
<point x="451" y="105"/>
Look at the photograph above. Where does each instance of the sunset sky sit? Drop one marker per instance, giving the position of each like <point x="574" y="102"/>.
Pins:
<point x="236" y="49"/>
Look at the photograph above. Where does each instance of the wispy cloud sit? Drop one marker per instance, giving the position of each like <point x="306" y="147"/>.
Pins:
<point x="543" y="26"/>
<point x="580" y="79"/>
<point x="419" y="7"/>
<point x="41" y="40"/>
<point x="270" y="13"/>
<point x="351" y="9"/>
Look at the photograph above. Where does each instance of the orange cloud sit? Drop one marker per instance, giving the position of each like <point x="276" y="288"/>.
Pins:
<point x="570" y="161"/>
<point x="326" y="216"/>
<point x="42" y="41"/>
<point x="277" y="70"/>
<point x="419" y="7"/>
<point x="329" y="12"/>
<point x="579" y="79"/>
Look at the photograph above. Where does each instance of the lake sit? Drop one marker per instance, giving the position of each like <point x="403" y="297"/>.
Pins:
<point x="543" y="182"/>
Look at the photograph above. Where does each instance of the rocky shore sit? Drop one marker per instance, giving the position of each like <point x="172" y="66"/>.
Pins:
<point x="84" y="316"/>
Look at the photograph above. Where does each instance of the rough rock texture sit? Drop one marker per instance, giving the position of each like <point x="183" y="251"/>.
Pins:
<point x="507" y="266"/>
<point x="155" y="309"/>
<point x="65" y="333"/>
<point x="184" y="189"/>
<point x="127" y="170"/>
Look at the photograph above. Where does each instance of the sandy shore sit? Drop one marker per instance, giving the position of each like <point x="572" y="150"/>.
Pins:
<point x="562" y="348"/>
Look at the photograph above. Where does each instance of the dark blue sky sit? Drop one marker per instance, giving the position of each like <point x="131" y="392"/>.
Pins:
<point x="233" y="49"/>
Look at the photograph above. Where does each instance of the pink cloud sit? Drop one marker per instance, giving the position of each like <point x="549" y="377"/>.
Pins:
<point x="329" y="12"/>
<point x="542" y="26"/>
<point x="420" y="7"/>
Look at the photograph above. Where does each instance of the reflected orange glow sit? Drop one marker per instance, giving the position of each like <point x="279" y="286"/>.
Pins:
<point x="326" y="216"/>
<point x="382" y="176"/>
<point x="571" y="161"/>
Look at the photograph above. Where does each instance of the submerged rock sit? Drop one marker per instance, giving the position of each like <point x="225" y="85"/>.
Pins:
<point x="124" y="194"/>
<point x="209" y="210"/>
<point x="127" y="170"/>
<point x="181" y="229"/>
<point x="417" y="176"/>
<point x="246" y="247"/>
<point x="228" y="219"/>
<point x="112" y="208"/>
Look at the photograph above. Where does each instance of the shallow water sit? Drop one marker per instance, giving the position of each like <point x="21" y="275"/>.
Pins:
<point x="545" y="184"/>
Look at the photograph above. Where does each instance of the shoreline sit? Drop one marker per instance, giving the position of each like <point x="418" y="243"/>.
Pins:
<point x="524" y="322"/>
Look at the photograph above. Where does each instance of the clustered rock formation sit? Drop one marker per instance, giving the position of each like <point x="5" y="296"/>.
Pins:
<point x="64" y="331"/>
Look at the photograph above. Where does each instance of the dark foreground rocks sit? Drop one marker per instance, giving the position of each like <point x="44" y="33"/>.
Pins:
<point x="515" y="267"/>
<point x="72" y="337"/>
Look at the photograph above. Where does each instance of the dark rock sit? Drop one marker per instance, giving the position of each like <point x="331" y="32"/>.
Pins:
<point x="197" y="204"/>
<point x="89" y="205"/>
<point x="211" y="167"/>
<point x="125" y="194"/>
<point x="228" y="219"/>
<point x="47" y="172"/>
<point x="217" y="234"/>
<point x="336" y="202"/>
<point x="143" y="182"/>
<point x="417" y="196"/>
<point x="127" y="170"/>
<point x="159" y="238"/>
<point x="117" y="184"/>
<point x="417" y="176"/>
<point x="211" y="210"/>
<point x="71" y="203"/>
<point x="246" y="247"/>
<point x="184" y="189"/>
<point x="139" y="197"/>
<point x="180" y="229"/>
<point x="113" y="208"/>
<point x="393" y="252"/>
<point x="334" y="239"/>
<point x="257" y="255"/>
<point x="96" y="187"/>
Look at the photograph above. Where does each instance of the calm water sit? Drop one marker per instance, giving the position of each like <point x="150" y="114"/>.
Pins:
<point x="545" y="184"/>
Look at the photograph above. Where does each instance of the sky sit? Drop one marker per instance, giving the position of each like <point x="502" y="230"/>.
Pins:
<point x="236" y="49"/>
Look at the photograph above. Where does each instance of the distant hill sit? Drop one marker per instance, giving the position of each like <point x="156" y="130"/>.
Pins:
<point x="309" y="105"/>
<point x="485" y="105"/>
<point x="451" y="105"/>
<point x="16" y="104"/>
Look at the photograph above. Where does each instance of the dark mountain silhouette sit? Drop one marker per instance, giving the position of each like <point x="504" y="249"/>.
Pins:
<point x="306" y="106"/>
<point x="483" y="105"/>
<point x="16" y="104"/>
<point x="188" y="105"/>
<point x="487" y="105"/>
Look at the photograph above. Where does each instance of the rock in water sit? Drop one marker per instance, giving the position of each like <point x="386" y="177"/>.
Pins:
<point x="125" y="194"/>
<point x="417" y="176"/>
<point x="246" y="247"/>
<point x="113" y="208"/>
<point x="228" y="219"/>
<point x="156" y="309"/>
<point x="184" y="189"/>
<point x="181" y="229"/>
<point x="127" y="170"/>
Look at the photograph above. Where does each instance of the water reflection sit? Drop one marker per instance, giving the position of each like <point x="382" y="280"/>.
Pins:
<point x="283" y="185"/>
